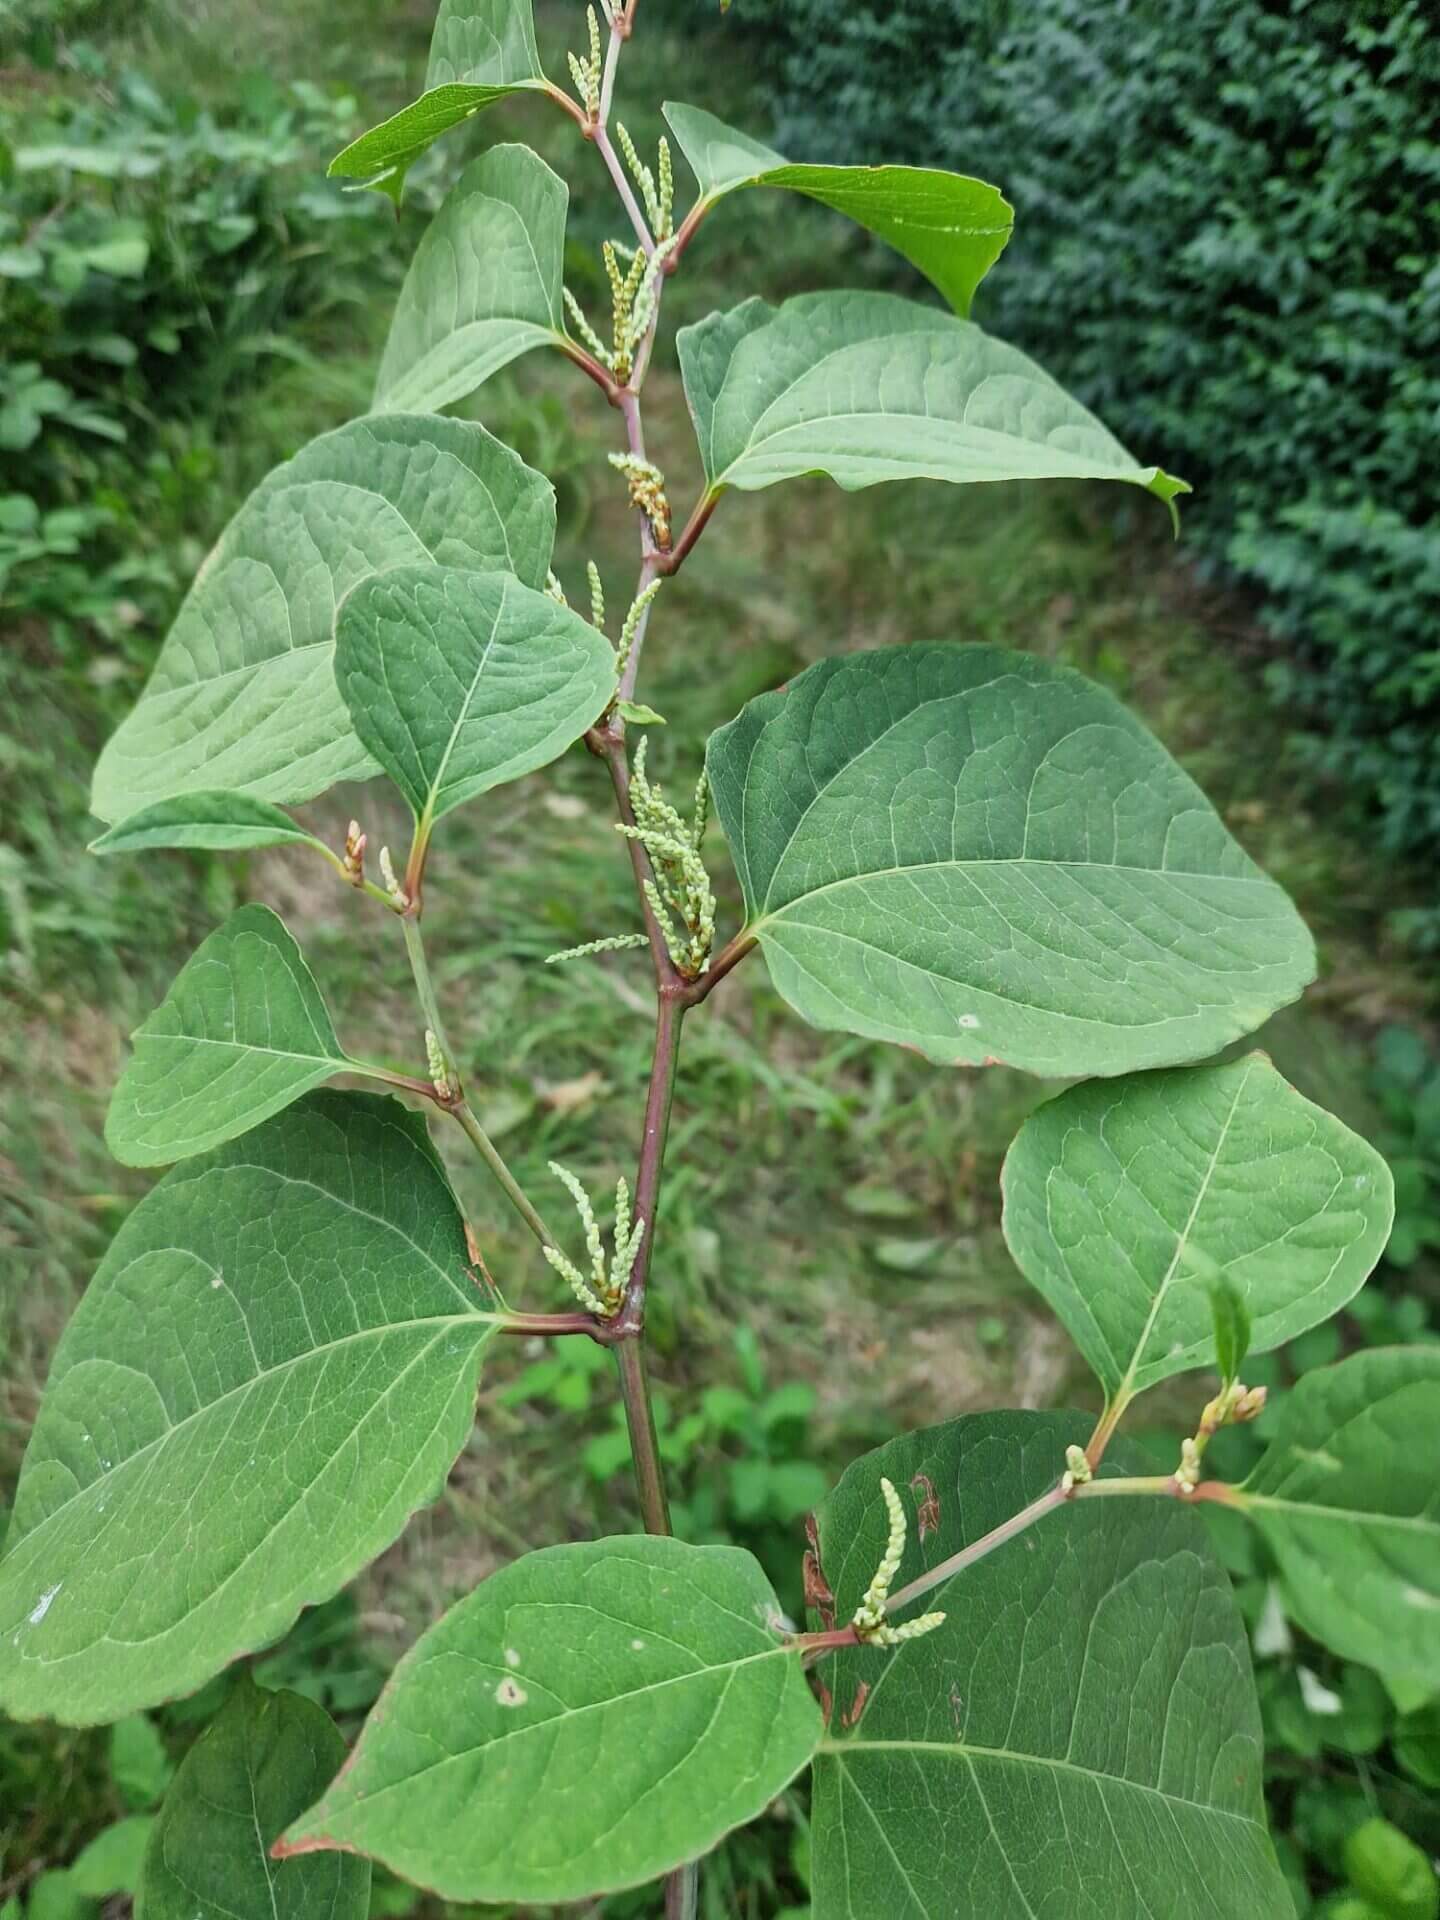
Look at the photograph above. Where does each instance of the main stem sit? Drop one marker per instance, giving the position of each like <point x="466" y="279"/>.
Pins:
<point x="681" y="1886"/>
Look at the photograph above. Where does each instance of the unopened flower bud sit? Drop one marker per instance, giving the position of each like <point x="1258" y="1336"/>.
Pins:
<point x="1250" y="1405"/>
<point x="1078" y="1471"/>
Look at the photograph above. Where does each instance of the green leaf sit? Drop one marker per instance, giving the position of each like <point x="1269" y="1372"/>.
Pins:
<point x="1417" y="1744"/>
<point x="1387" y="1867"/>
<point x="111" y="1862"/>
<point x="1084" y="1719"/>
<point x="1128" y="1202"/>
<point x="457" y="682"/>
<point x="242" y="1032"/>
<point x="636" y="714"/>
<point x="951" y="227"/>
<point x="219" y="822"/>
<point x="614" y="1708"/>
<point x="982" y="855"/>
<point x="262" y="1760"/>
<point x="139" y="1763"/>
<point x="55" y="1896"/>
<point x="273" y="1368"/>
<point x="1230" y="1319"/>
<point x="482" y="51"/>
<point x="868" y="387"/>
<point x="1349" y="1501"/>
<point x="484" y="285"/>
<point x="383" y="156"/>
<point x="243" y="696"/>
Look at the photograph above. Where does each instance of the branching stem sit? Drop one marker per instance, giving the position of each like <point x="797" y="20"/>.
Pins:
<point x="455" y="1104"/>
<point x="672" y="561"/>
<point x="506" y="1180"/>
<point x="1163" y="1486"/>
<point x="729" y="957"/>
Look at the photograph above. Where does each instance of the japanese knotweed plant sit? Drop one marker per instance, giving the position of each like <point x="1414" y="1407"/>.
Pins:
<point x="1025" y="1686"/>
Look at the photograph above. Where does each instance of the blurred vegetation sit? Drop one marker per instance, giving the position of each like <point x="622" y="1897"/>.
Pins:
<point x="1225" y="243"/>
<point x="194" y="302"/>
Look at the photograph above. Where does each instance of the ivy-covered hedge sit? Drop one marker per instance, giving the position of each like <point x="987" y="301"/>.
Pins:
<point x="1226" y="241"/>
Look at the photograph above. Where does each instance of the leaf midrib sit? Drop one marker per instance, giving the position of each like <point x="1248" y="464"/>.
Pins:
<point x="1126" y="1388"/>
<point x="964" y="1750"/>
<point x="1347" y="1516"/>
<point x="567" y="1715"/>
<point x="757" y="439"/>
<point x="267" y="1374"/>
<point x="247" y="1046"/>
<point x="1015" y="860"/>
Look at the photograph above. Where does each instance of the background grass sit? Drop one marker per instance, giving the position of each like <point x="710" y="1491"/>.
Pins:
<point x="830" y="1269"/>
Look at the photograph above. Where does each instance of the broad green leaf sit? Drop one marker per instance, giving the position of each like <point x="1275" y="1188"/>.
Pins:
<point x="242" y="1032"/>
<point x="982" y="855"/>
<point x="243" y="696"/>
<point x="482" y="51"/>
<point x="219" y="822"/>
<point x="484" y="285"/>
<point x="868" y="387"/>
<point x="111" y="1862"/>
<point x="1081" y="1735"/>
<point x="457" y="682"/>
<point x="483" y="40"/>
<point x="261" y="1761"/>
<point x="1127" y="1201"/>
<point x="274" y="1366"/>
<point x="588" y="1718"/>
<point x="951" y="227"/>
<point x="1348" y="1498"/>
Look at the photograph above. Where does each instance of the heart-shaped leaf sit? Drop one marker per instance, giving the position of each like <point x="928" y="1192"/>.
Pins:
<point x="243" y="696"/>
<point x="1127" y="1201"/>
<point x="484" y="285"/>
<point x="1348" y="1497"/>
<point x="1084" y="1719"/>
<point x="219" y="822"/>
<point x="643" y="1687"/>
<point x="482" y="51"/>
<point x="262" y="1760"/>
<point x="951" y="227"/>
<point x="982" y="855"/>
<point x="868" y="387"/>
<point x="242" y="1032"/>
<point x="274" y="1366"/>
<point x="457" y="682"/>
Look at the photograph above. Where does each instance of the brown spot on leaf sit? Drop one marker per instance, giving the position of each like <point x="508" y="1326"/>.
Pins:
<point x="852" y="1715"/>
<point x="927" y="1505"/>
<point x="818" y="1596"/>
<point x="824" y="1696"/>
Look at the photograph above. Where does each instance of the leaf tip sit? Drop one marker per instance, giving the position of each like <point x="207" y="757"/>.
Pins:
<point x="1169" y="487"/>
<point x="288" y="1849"/>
